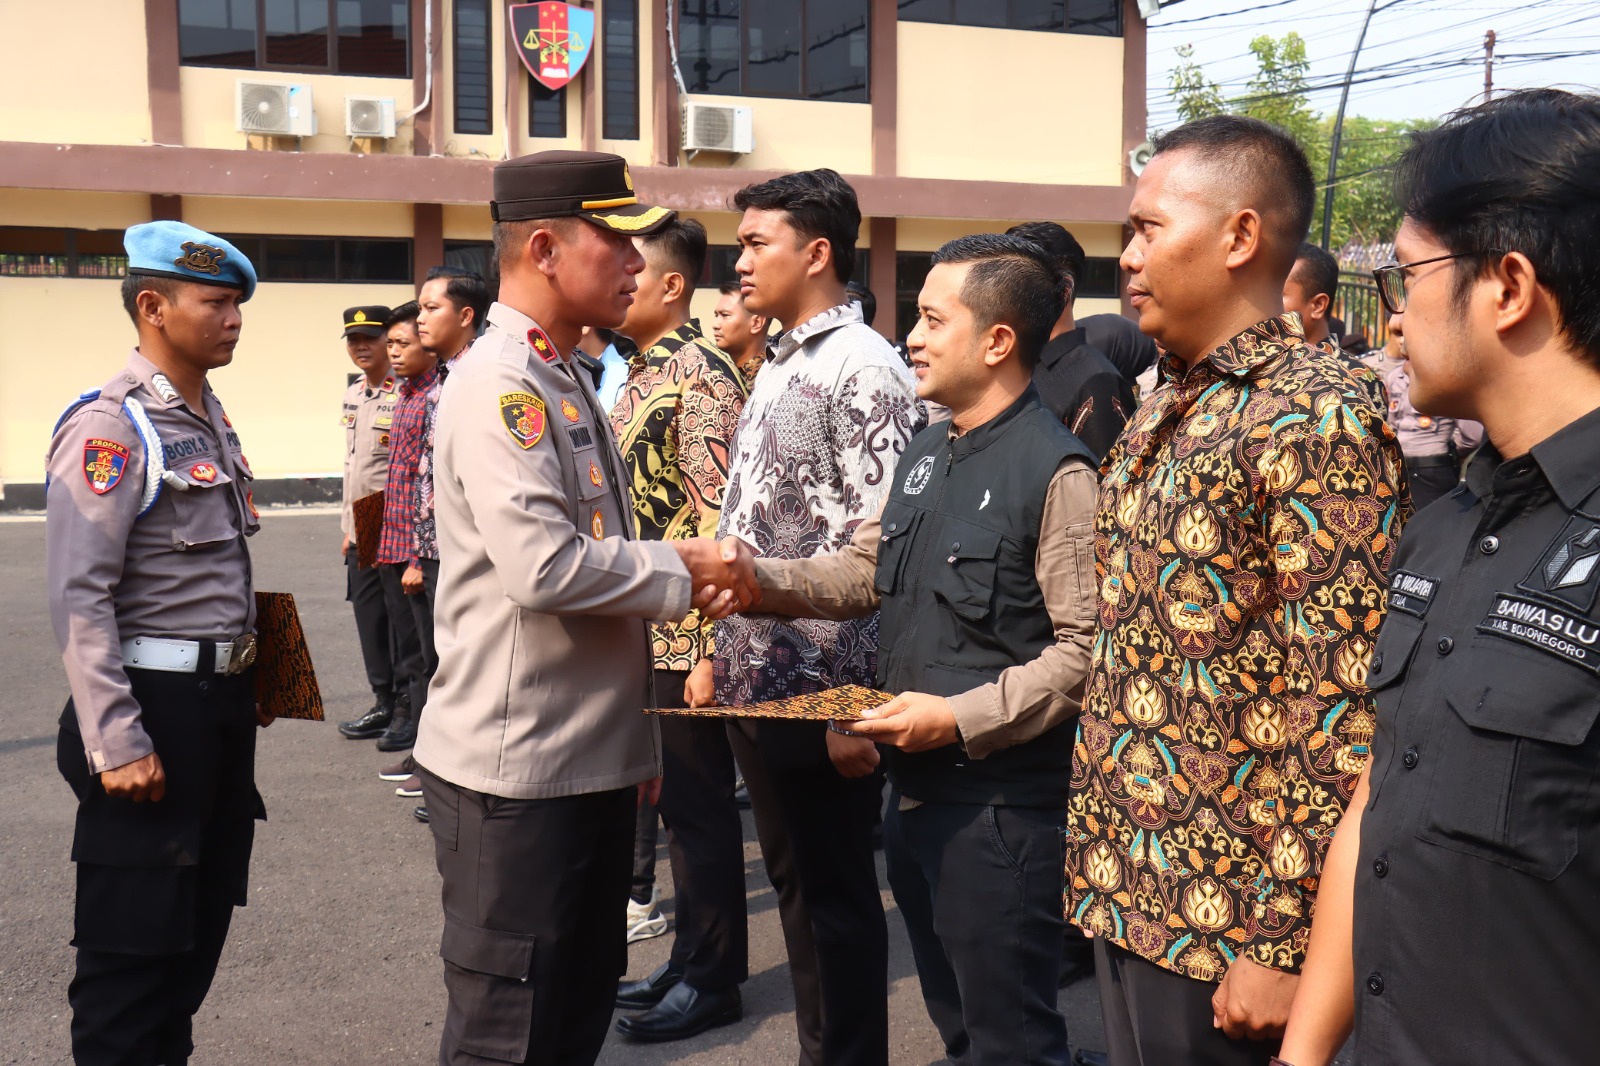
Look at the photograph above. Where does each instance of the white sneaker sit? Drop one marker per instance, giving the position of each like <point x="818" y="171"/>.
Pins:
<point x="645" y="920"/>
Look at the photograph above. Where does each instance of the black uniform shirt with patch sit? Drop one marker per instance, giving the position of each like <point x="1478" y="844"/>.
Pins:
<point x="1477" y="896"/>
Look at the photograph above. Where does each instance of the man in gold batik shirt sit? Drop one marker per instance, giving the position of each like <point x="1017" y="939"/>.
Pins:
<point x="1246" y="521"/>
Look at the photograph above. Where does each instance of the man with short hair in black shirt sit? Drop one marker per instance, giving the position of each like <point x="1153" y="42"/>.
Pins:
<point x="1075" y="381"/>
<point x="1118" y="339"/>
<point x="1456" y="920"/>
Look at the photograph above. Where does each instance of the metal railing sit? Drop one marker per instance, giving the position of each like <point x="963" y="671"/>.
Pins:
<point x="1358" y="305"/>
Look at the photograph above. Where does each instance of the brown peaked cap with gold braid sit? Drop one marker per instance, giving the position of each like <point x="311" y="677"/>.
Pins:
<point x="591" y="185"/>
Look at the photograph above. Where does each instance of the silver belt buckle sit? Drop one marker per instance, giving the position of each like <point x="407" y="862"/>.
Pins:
<point x="244" y="655"/>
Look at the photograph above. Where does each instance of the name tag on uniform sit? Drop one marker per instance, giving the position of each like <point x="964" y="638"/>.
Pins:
<point x="1411" y="593"/>
<point x="1574" y="638"/>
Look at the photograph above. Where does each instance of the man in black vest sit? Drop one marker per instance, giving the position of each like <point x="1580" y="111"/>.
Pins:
<point x="981" y="564"/>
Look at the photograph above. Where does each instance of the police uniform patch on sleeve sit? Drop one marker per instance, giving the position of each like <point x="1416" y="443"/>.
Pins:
<point x="522" y="413"/>
<point x="104" y="462"/>
<point x="569" y="409"/>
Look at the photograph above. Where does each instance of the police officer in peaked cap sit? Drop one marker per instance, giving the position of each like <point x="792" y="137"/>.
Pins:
<point x="148" y="572"/>
<point x="534" y="748"/>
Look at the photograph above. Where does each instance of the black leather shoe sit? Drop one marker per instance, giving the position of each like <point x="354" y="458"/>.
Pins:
<point x="401" y="734"/>
<point x="372" y="724"/>
<point x="421" y="815"/>
<point x="647" y="992"/>
<point x="683" y="1012"/>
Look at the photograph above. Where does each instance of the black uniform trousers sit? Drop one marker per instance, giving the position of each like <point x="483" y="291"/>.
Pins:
<point x="364" y="591"/>
<point x="815" y="828"/>
<point x="157" y="882"/>
<point x="1154" y="1017"/>
<point x="979" y="888"/>
<point x="533" y="942"/>
<point x="414" y="657"/>
<point x="705" y="843"/>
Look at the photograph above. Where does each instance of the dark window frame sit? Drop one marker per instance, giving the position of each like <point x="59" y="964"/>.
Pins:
<point x="911" y="269"/>
<point x="75" y="261"/>
<point x="549" y="102"/>
<point x="254" y="246"/>
<point x="720" y="260"/>
<point x="620" y="127"/>
<point x="332" y="64"/>
<point x="1067" y="22"/>
<point x="804" y="57"/>
<point x="471" y="127"/>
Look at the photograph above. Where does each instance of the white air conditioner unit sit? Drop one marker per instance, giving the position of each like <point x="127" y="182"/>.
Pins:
<point x="278" y="110"/>
<point x="369" y="116"/>
<point x="717" y="128"/>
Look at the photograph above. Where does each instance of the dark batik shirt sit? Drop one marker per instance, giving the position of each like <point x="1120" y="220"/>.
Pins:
<point x="1246" y="524"/>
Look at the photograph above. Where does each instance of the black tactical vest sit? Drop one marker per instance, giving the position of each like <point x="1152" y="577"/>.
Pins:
<point x="960" y="594"/>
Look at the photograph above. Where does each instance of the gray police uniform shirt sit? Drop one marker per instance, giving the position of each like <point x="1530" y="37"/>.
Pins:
<point x="1476" y="932"/>
<point x="181" y="571"/>
<point x="1422" y="435"/>
<point x="544" y="655"/>
<point x="368" y="420"/>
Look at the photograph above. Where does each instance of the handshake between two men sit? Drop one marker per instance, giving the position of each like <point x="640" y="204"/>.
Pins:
<point x="725" y="580"/>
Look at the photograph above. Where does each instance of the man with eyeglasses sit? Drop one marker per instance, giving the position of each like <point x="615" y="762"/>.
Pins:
<point x="1457" y="919"/>
<point x="1434" y="446"/>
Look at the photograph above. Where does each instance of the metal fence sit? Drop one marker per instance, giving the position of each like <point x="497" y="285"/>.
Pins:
<point x="1358" y="305"/>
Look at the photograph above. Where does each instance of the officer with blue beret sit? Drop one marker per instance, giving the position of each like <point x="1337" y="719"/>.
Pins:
<point x="148" y="575"/>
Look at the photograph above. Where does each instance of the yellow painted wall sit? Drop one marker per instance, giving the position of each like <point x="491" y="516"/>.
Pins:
<point x="73" y="210"/>
<point x="76" y="73"/>
<point x="959" y="115"/>
<point x="798" y="135"/>
<point x="467" y="223"/>
<point x="282" y="389"/>
<point x="334" y="218"/>
<point x="209" y="120"/>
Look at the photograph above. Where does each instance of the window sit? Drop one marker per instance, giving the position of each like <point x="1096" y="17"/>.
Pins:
<point x="806" y="49"/>
<point x="1102" y="18"/>
<point x="326" y="259"/>
<point x="620" y="42"/>
<point x="547" y="110"/>
<point x="39" y="252"/>
<point x="1102" y="280"/>
<point x="370" y="37"/>
<point x="474" y="67"/>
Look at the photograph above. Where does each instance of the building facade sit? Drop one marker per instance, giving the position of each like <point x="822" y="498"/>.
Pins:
<point x="346" y="145"/>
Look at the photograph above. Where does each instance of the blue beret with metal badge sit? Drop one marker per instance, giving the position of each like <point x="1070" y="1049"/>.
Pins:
<point x="177" y="250"/>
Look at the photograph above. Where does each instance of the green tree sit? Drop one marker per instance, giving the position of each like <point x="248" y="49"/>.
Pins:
<point x="1364" y="211"/>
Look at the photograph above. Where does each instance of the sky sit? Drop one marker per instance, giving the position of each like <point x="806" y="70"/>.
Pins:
<point x="1425" y="56"/>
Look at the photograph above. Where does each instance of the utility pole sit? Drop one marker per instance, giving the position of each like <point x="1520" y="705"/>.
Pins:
<point x="1488" y="66"/>
<point x="1338" y="132"/>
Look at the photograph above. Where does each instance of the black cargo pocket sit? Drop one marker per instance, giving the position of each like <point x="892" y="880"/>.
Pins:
<point x="894" y="545"/>
<point x="1514" y="778"/>
<point x="962" y="575"/>
<point x="1389" y="666"/>
<point x="489" y="975"/>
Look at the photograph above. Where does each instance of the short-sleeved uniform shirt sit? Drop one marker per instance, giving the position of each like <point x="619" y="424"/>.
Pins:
<point x="1477" y="894"/>
<point x="368" y="420"/>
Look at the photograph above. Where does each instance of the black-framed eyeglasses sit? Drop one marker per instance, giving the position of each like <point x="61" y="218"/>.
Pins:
<point x="1391" y="279"/>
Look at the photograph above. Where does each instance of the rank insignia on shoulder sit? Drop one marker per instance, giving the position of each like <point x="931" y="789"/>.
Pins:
<point x="594" y="476"/>
<point x="203" y="472"/>
<point x="103" y="464"/>
<point x="597" y="526"/>
<point x="541" y="344"/>
<point x="569" y="409"/>
<point x="522" y="413"/>
<point x="164" y="388"/>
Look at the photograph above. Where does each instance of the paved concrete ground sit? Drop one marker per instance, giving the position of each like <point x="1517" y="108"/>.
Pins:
<point x="334" y="961"/>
